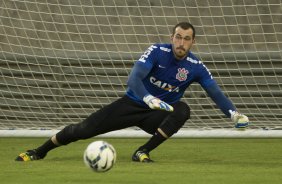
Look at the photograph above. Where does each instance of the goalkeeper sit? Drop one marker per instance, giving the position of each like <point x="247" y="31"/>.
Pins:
<point x="156" y="84"/>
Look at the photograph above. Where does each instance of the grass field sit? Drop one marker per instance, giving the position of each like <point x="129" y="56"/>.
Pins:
<point x="178" y="161"/>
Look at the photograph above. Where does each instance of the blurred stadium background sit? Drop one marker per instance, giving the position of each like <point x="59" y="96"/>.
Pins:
<point x="61" y="60"/>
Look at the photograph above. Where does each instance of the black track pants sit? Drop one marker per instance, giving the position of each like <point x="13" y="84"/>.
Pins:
<point x="125" y="113"/>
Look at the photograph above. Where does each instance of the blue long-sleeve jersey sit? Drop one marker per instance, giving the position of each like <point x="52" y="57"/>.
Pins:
<point x="160" y="74"/>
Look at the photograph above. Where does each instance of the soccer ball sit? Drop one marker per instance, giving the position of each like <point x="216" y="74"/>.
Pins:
<point x="99" y="156"/>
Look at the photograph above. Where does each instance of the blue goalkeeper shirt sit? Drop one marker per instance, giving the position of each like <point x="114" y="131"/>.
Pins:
<point x="160" y="74"/>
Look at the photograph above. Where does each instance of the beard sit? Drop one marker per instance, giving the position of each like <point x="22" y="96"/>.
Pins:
<point x="180" y="52"/>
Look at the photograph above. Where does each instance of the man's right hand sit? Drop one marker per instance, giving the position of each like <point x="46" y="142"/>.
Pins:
<point x="156" y="103"/>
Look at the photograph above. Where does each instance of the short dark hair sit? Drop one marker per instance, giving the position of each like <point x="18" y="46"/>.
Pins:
<point x="185" y="26"/>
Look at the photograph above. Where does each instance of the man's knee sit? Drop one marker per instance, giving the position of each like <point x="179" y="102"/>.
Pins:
<point x="74" y="132"/>
<point x="176" y="119"/>
<point x="181" y="112"/>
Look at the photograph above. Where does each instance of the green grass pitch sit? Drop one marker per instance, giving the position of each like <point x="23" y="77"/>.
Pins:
<point x="177" y="161"/>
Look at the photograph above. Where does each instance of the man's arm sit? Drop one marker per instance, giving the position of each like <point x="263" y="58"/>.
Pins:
<point x="220" y="99"/>
<point x="138" y="73"/>
<point x="226" y="106"/>
<point x="135" y="83"/>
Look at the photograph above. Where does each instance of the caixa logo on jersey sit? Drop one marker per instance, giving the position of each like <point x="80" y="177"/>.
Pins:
<point x="182" y="74"/>
<point x="164" y="85"/>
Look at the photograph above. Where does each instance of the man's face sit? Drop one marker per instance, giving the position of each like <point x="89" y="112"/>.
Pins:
<point x="182" y="41"/>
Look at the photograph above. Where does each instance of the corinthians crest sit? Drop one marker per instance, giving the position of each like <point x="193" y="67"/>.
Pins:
<point x="182" y="74"/>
